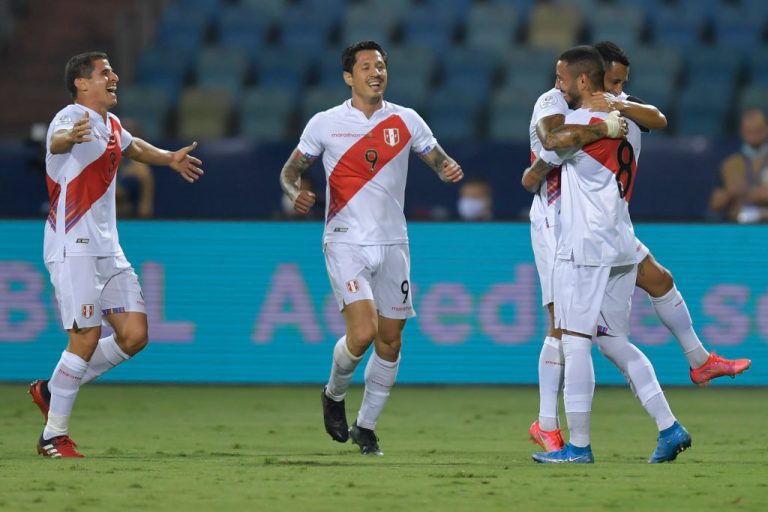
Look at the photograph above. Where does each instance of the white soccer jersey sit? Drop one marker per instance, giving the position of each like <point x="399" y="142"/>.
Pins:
<point x="546" y="203"/>
<point x="81" y="187"/>
<point x="366" y="166"/>
<point x="597" y="185"/>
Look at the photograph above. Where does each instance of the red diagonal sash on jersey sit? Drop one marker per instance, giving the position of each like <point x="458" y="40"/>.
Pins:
<point x="617" y="156"/>
<point x="54" y="190"/>
<point x="553" y="181"/>
<point x="94" y="181"/>
<point x="356" y="167"/>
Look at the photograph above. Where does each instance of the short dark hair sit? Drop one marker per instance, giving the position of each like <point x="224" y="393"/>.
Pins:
<point x="349" y="55"/>
<point x="586" y="59"/>
<point x="612" y="53"/>
<point x="80" y="66"/>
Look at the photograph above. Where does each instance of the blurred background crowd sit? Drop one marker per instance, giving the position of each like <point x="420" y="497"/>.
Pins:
<point x="244" y="76"/>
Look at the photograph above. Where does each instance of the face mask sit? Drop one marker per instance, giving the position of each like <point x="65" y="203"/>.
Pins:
<point x="471" y="208"/>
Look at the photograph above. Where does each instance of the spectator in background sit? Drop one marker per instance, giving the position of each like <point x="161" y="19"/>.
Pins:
<point x="135" y="187"/>
<point x="743" y="193"/>
<point x="475" y="200"/>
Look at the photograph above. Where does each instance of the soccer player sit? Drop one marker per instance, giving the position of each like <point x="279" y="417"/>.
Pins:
<point x="547" y="131"/>
<point x="595" y="269"/>
<point x="92" y="278"/>
<point x="365" y="143"/>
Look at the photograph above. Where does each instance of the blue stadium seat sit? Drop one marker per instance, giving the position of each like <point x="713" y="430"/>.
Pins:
<point x="491" y="27"/>
<point x="418" y="62"/>
<point x="529" y="69"/>
<point x="204" y="8"/>
<point x="622" y="25"/>
<point x="431" y="29"/>
<point x="715" y="66"/>
<point x="738" y="28"/>
<point x="164" y="68"/>
<point x="266" y="114"/>
<point x="647" y="63"/>
<point x="204" y="114"/>
<point x="702" y="110"/>
<point x="408" y="90"/>
<point x="470" y="70"/>
<point x="319" y="99"/>
<point x="181" y="29"/>
<point x="757" y="65"/>
<point x="328" y="69"/>
<point x="455" y="9"/>
<point x="678" y="26"/>
<point x="452" y="125"/>
<point x="149" y="106"/>
<point x="354" y="32"/>
<point x="297" y="34"/>
<point x="522" y="7"/>
<point x="509" y="115"/>
<point x="275" y="8"/>
<point x="244" y="27"/>
<point x="279" y="68"/>
<point x="754" y="96"/>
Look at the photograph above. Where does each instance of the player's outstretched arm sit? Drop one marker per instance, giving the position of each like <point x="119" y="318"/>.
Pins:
<point x="641" y="113"/>
<point x="445" y="167"/>
<point x="180" y="160"/>
<point x="62" y="141"/>
<point x="290" y="180"/>
<point x="535" y="174"/>
<point x="554" y="135"/>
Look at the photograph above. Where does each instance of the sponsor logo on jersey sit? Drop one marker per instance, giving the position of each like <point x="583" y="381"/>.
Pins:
<point x="65" y="119"/>
<point x="391" y="136"/>
<point x="83" y="241"/>
<point x="340" y="230"/>
<point x="353" y="286"/>
<point x="547" y="101"/>
<point x="349" y="134"/>
<point x="87" y="310"/>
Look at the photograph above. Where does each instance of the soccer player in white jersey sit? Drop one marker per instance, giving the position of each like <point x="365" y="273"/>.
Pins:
<point x="92" y="279"/>
<point x="547" y="130"/>
<point x="595" y="269"/>
<point x="365" y="143"/>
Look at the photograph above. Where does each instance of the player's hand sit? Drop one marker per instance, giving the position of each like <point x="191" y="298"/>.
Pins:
<point x="617" y="125"/>
<point x="450" y="171"/>
<point x="600" y="102"/>
<point x="81" y="131"/>
<point x="185" y="164"/>
<point x="304" y="201"/>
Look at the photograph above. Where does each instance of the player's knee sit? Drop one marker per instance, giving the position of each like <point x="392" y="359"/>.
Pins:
<point x="389" y="349"/>
<point x="361" y="336"/>
<point x="133" y="340"/>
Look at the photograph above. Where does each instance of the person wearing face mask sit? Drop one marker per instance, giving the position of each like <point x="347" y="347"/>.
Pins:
<point x="475" y="200"/>
<point x="743" y="195"/>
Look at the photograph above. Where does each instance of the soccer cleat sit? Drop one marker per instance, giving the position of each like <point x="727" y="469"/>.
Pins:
<point x="672" y="441"/>
<point x="59" y="447"/>
<point x="717" y="366"/>
<point x="549" y="440"/>
<point x="41" y="396"/>
<point x="366" y="439"/>
<point x="569" y="454"/>
<point x="335" y="418"/>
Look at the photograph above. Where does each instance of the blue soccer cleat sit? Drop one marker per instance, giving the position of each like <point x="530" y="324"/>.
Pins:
<point x="567" y="455"/>
<point x="672" y="441"/>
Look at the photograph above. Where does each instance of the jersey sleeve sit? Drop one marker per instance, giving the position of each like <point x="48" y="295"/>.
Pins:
<point x="126" y="139"/>
<point x="310" y="142"/>
<point x="422" y="139"/>
<point x="549" y="104"/>
<point x="555" y="158"/>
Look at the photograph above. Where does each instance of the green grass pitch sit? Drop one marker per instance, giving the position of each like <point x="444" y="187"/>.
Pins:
<point x="174" y="448"/>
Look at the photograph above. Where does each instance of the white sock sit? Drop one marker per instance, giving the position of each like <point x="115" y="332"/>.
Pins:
<point x="550" y="381"/>
<point x="64" y="385"/>
<point x="673" y="312"/>
<point x="379" y="378"/>
<point x="639" y="372"/>
<point x="579" y="387"/>
<point x="106" y="356"/>
<point x="342" y="370"/>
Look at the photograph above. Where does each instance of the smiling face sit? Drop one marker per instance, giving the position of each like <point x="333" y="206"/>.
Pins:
<point x="616" y="76"/>
<point x="98" y="91"/>
<point x="368" y="79"/>
<point x="567" y="83"/>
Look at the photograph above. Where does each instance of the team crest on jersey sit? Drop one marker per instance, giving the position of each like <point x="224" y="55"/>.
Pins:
<point x="353" y="286"/>
<point x="547" y="101"/>
<point x="391" y="136"/>
<point x="87" y="310"/>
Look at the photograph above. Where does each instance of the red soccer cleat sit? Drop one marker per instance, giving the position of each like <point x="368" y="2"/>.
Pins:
<point x="717" y="366"/>
<point x="551" y="441"/>
<point x="59" y="447"/>
<point x="41" y="396"/>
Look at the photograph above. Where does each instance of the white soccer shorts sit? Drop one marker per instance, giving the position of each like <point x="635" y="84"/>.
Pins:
<point x="592" y="300"/>
<point x="641" y="251"/>
<point x="544" y="243"/>
<point x="381" y="273"/>
<point x="91" y="287"/>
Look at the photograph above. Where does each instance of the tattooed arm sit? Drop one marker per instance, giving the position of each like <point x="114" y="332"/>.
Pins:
<point x="554" y="135"/>
<point x="290" y="180"/>
<point x="445" y="167"/>
<point x="533" y="176"/>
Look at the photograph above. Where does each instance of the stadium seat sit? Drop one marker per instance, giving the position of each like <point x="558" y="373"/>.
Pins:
<point x="529" y="70"/>
<point x="164" y="68"/>
<point x="554" y="26"/>
<point x="678" y="26"/>
<point x="509" y="115"/>
<point x="757" y="65"/>
<point x="276" y="70"/>
<point x="149" y="106"/>
<point x="754" y="96"/>
<point x="738" y="29"/>
<point x="244" y="27"/>
<point x="327" y="69"/>
<point x="622" y="25"/>
<point x="702" y="110"/>
<point x="408" y="90"/>
<point x="297" y="34"/>
<point x="491" y="27"/>
<point x="716" y="66"/>
<point x="452" y="125"/>
<point x="266" y="114"/>
<point x="471" y="71"/>
<point x="222" y="67"/>
<point x="204" y="114"/>
<point x="181" y="29"/>
<point x="319" y="99"/>
<point x="430" y="29"/>
<point x="417" y="62"/>
<point x="352" y="33"/>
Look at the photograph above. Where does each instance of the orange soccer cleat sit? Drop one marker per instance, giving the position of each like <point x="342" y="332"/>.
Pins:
<point x="58" y="447"/>
<point x="551" y="441"/>
<point x="717" y="366"/>
<point x="41" y="396"/>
